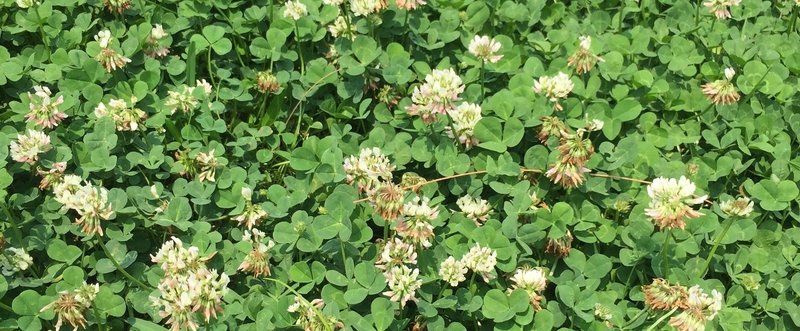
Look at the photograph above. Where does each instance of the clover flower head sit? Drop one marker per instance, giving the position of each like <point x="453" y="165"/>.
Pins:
<point x="52" y="176"/>
<point x="205" y="85"/>
<point x="722" y="91"/>
<point x="465" y="117"/>
<point x="701" y="308"/>
<point x="575" y="149"/>
<point x="24" y="4"/>
<point x="295" y="10"/>
<point x="341" y="28"/>
<point x="117" y="5"/>
<point x="103" y="38"/>
<point x="554" y="88"/>
<point x="396" y="252"/>
<point x="207" y="164"/>
<point x="368" y="169"/>
<point x="741" y="207"/>
<point x="403" y="284"/>
<point x="567" y="174"/>
<point x="409" y="4"/>
<point x="257" y="261"/>
<point x="560" y="246"/>
<point x="44" y="110"/>
<point x="475" y="209"/>
<point x="721" y="8"/>
<point x="531" y="280"/>
<point x="670" y="201"/>
<point x="583" y="59"/>
<point x="602" y="312"/>
<point x="311" y="315"/>
<point x="71" y="306"/>
<point x="125" y="117"/>
<point x="157" y="32"/>
<point x="551" y="126"/>
<point x="485" y="49"/>
<point x="436" y="95"/>
<point x="481" y="260"/>
<point x="334" y="3"/>
<point x="266" y="82"/>
<point x="387" y="200"/>
<point x="366" y="7"/>
<point x="453" y="271"/>
<point x="660" y="295"/>
<point x="93" y="207"/>
<point x="14" y="260"/>
<point x="252" y="215"/>
<point x="152" y="46"/>
<point x="28" y="146"/>
<point x="66" y="189"/>
<point x="184" y="100"/>
<point x="415" y="225"/>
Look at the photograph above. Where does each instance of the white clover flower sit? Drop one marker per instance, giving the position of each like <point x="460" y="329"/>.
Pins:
<point x="396" y="252"/>
<point x="554" y="88"/>
<point x="437" y="95"/>
<point x="465" y="117"/>
<point x="340" y="27"/>
<point x="368" y="169"/>
<point x="158" y="32"/>
<point x="126" y="118"/>
<point x="403" y="284"/>
<point x="365" y="7"/>
<point x="44" y="111"/>
<point x="453" y="271"/>
<point x="183" y="100"/>
<point x="207" y="164"/>
<point x="531" y="280"/>
<point x="475" y="209"/>
<point x="93" y="207"/>
<point x="670" y="202"/>
<point x="252" y="215"/>
<point x="65" y="190"/>
<point x="485" y="49"/>
<point x="700" y="308"/>
<point x="71" y="305"/>
<point x="103" y="38"/>
<point x="311" y="316"/>
<point x="481" y="260"/>
<point x="720" y="8"/>
<point x="24" y="4"/>
<point x="295" y="10"/>
<point x="207" y="88"/>
<point x="595" y="125"/>
<point x="333" y="2"/>
<point x="409" y="4"/>
<point x="740" y="207"/>
<point x="729" y="73"/>
<point x="28" y="146"/>
<point x="415" y="226"/>
<point x="585" y="42"/>
<point x="14" y="260"/>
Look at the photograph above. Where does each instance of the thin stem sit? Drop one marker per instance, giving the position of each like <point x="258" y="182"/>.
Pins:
<point x="6" y="307"/>
<point x="652" y="327"/>
<point x="299" y="49"/>
<point x="483" y="80"/>
<point x="97" y="316"/>
<point x="794" y="20"/>
<point x="119" y="267"/>
<point x="697" y="12"/>
<point x="316" y="310"/>
<point x="555" y="264"/>
<point x="211" y="73"/>
<point x="641" y="312"/>
<point x="668" y="236"/>
<point x="15" y="228"/>
<point x="717" y="241"/>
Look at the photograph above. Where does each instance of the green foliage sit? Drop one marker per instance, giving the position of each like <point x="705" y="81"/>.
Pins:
<point x="289" y="108"/>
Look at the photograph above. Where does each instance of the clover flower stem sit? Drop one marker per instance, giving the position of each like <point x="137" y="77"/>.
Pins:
<point x="299" y="49"/>
<point x="472" y="283"/>
<point x="441" y="292"/>
<point x="697" y="12"/>
<point x="668" y="236"/>
<point x="555" y="264"/>
<point x="286" y="286"/>
<point x="211" y="73"/>
<point x="658" y="321"/>
<point x="641" y="312"/>
<point x="119" y="267"/>
<point x="717" y="241"/>
<point x="14" y="227"/>
<point x="6" y="307"/>
<point x="97" y="317"/>
<point x="483" y="80"/>
<point x="794" y="19"/>
<point x="341" y="251"/>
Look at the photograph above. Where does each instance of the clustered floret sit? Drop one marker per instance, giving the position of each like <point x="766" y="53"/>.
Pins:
<point x="464" y="117"/>
<point x="554" y="88"/>
<point x="126" y="118"/>
<point x="257" y="261"/>
<point x="475" y="209"/>
<point x="253" y="214"/>
<point x="71" y="306"/>
<point x="531" y="280"/>
<point x="415" y="226"/>
<point x="485" y="49"/>
<point x="108" y="56"/>
<point x="670" y="202"/>
<point x="367" y="170"/>
<point x="13" y="260"/>
<point x="311" y="316"/>
<point x="27" y="147"/>
<point x="188" y="286"/>
<point x="44" y="110"/>
<point x="437" y="95"/>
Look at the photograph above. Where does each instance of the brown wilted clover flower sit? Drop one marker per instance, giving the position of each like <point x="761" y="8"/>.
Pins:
<point x="722" y="91"/>
<point x="71" y="305"/>
<point x="267" y="82"/>
<point x="257" y="261"/>
<point x="566" y="174"/>
<point x="575" y="150"/>
<point x="583" y="59"/>
<point x="117" y="6"/>
<point x="387" y="200"/>
<point x="51" y="176"/>
<point x="660" y="295"/>
<point x="560" y="246"/>
<point x="551" y="126"/>
<point x="700" y="309"/>
<point x="187" y="163"/>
